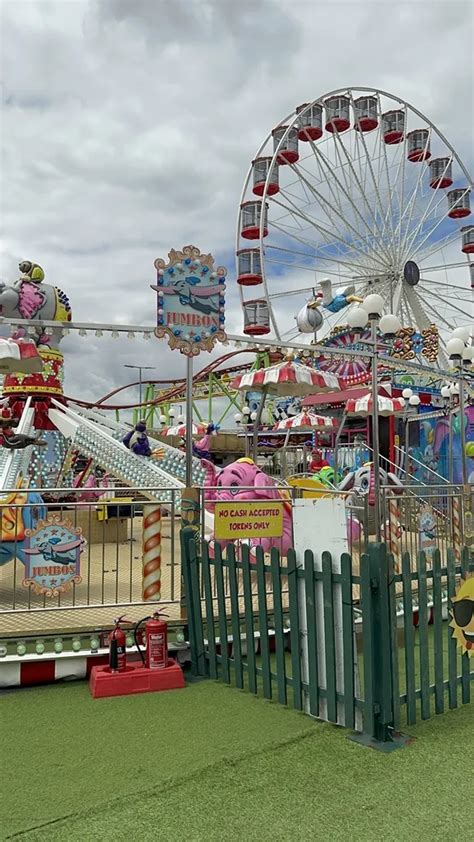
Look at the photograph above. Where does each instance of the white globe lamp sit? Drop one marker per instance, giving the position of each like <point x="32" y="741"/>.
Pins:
<point x="407" y="393"/>
<point x="390" y="325"/>
<point x="445" y="392"/>
<point x="462" y="333"/>
<point x="357" y="318"/>
<point x="373" y="305"/>
<point x="455" y="348"/>
<point x="414" y="400"/>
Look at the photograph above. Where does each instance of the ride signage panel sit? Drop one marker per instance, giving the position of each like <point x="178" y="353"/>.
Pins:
<point x="52" y="556"/>
<point x="248" y="519"/>
<point x="191" y="300"/>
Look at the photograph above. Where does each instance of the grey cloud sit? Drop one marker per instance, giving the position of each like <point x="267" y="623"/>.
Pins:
<point x="128" y="129"/>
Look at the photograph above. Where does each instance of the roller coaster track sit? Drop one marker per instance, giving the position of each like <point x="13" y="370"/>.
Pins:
<point x="174" y="393"/>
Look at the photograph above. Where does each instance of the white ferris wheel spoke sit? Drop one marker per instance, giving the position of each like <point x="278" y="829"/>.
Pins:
<point x="295" y="211"/>
<point x="362" y="140"/>
<point x="332" y="260"/>
<point x="440" y="245"/>
<point x="331" y="176"/>
<point x="413" y="195"/>
<point x="409" y="240"/>
<point x="447" y="284"/>
<point x="437" y="315"/>
<point x="376" y="232"/>
<point x="323" y="202"/>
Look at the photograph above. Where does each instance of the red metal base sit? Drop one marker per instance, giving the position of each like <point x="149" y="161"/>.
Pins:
<point x="310" y="133"/>
<point x="259" y="188"/>
<point x="469" y="249"/>
<point x="441" y="182"/>
<point x="135" y="679"/>
<point x="256" y="330"/>
<point x="338" y="124"/>
<point x="366" y="124"/>
<point x="253" y="233"/>
<point x="419" y="155"/>
<point x="250" y="280"/>
<point x="287" y="156"/>
<point x="459" y="213"/>
<point x="391" y="138"/>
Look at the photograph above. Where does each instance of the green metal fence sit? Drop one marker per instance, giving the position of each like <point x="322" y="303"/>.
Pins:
<point x="361" y="645"/>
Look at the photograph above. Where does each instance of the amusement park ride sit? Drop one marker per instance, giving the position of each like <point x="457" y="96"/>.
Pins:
<point x="361" y="196"/>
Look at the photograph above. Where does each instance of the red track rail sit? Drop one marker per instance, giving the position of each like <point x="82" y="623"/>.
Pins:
<point x="173" y="393"/>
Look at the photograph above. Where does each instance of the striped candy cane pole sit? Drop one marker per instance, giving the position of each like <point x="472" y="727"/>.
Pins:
<point x="394" y="535"/>
<point x="151" y="589"/>
<point x="456" y="514"/>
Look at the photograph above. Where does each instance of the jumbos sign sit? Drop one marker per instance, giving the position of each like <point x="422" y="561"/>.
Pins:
<point x="191" y="300"/>
<point x="52" y="552"/>
<point x="248" y="519"/>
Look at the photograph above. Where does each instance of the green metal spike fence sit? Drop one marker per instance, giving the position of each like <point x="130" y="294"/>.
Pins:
<point x="293" y="631"/>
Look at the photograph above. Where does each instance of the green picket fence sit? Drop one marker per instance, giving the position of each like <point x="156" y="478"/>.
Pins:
<point x="339" y="645"/>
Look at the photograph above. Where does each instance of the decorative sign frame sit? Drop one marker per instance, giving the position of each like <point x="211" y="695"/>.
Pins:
<point x="191" y="301"/>
<point x="53" y="550"/>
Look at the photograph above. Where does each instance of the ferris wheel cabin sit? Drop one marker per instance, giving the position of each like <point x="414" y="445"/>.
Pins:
<point x="256" y="317"/>
<point x="468" y="239"/>
<point x="365" y="113"/>
<point x="310" y="120"/>
<point x="337" y="113"/>
<point x="249" y="270"/>
<point x="418" y="145"/>
<point x="260" y="169"/>
<point x="459" y="203"/>
<point x="393" y="127"/>
<point x="440" y="173"/>
<point x="288" y="152"/>
<point x="250" y="220"/>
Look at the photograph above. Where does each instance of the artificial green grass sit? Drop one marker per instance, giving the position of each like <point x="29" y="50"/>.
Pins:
<point x="211" y="763"/>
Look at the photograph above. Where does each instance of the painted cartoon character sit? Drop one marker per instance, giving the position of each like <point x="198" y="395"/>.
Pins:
<point x="137" y="440"/>
<point x="337" y="302"/>
<point x="30" y="298"/>
<point x="362" y="485"/>
<point x="20" y="511"/>
<point x="86" y="495"/>
<point x="53" y="550"/>
<point x="201" y="448"/>
<point x="462" y="621"/>
<point x="243" y="480"/>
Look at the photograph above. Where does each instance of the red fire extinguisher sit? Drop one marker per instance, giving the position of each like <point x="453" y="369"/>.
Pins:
<point x="117" y="651"/>
<point x="156" y="641"/>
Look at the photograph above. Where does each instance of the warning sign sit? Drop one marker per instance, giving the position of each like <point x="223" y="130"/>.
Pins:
<point x="248" y="520"/>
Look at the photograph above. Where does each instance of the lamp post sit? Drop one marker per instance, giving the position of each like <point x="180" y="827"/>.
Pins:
<point x="461" y="353"/>
<point x="140" y="368"/>
<point x="370" y="310"/>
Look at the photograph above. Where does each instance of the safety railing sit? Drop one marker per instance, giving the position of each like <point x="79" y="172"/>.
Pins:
<point x="61" y="552"/>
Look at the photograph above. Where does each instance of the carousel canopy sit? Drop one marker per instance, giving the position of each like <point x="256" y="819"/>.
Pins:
<point x="288" y="378"/>
<point x="306" y="420"/>
<point x="363" y="406"/>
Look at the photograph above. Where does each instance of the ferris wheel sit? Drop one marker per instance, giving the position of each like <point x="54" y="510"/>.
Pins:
<point x="354" y="193"/>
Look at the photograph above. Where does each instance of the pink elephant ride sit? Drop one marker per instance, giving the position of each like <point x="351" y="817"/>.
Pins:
<point x="243" y="480"/>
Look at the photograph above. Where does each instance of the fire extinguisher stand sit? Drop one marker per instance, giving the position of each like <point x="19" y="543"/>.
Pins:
<point x="154" y="672"/>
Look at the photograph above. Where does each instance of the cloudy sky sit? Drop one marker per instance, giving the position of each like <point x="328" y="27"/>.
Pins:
<point x="128" y="127"/>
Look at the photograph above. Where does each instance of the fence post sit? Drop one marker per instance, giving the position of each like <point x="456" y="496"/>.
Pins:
<point x="377" y="621"/>
<point x="188" y="550"/>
